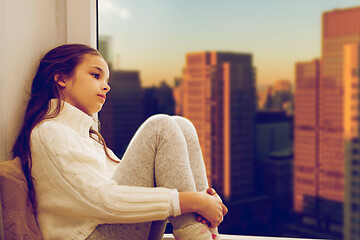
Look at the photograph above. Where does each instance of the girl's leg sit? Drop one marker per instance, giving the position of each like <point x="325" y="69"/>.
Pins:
<point x="157" y="156"/>
<point x="196" y="161"/>
<point x="194" y="153"/>
<point x="197" y="168"/>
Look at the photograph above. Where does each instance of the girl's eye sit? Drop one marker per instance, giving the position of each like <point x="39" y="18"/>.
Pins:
<point x="95" y="75"/>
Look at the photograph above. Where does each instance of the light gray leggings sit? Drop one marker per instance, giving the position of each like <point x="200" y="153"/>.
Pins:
<point x="164" y="152"/>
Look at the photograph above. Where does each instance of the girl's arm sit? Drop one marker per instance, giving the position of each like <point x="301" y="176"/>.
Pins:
<point x="69" y="181"/>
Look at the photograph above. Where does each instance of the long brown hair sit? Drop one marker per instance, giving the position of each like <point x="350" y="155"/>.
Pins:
<point x="61" y="60"/>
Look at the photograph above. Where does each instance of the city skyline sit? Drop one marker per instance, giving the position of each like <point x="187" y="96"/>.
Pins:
<point x="277" y="34"/>
<point x="216" y="91"/>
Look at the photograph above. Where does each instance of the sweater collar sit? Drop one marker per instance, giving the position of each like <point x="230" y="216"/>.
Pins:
<point x="72" y="117"/>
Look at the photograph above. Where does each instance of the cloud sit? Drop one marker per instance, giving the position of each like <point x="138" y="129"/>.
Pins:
<point x="108" y="7"/>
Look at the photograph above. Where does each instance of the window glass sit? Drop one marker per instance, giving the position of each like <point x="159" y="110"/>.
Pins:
<point x="263" y="83"/>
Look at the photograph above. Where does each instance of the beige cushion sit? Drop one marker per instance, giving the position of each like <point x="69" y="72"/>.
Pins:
<point x="17" y="212"/>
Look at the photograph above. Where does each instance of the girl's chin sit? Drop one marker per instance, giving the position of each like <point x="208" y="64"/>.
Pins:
<point x="96" y="110"/>
<point x="93" y="111"/>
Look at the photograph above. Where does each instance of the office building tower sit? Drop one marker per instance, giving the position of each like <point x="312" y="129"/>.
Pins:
<point x="322" y="181"/>
<point x="157" y="100"/>
<point x="306" y="142"/>
<point x="273" y="133"/>
<point x="277" y="176"/>
<point x="178" y="95"/>
<point x="122" y="113"/>
<point x="351" y="65"/>
<point x="106" y="49"/>
<point x="219" y="98"/>
<point x="340" y="27"/>
<point x="282" y="85"/>
<point x="268" y="102"/>
<point x="264" y="98"/>
<point x="282" y="96"/>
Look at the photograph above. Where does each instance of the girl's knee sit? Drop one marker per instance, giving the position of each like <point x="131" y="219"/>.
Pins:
<point x="163" y="125"/>
<point x="160" y="120"/>
<point x="184" y="123"/>
<point x="167" y="122"/>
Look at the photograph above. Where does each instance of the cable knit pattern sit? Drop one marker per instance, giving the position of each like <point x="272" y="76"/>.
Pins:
<point x="74" y="188"/>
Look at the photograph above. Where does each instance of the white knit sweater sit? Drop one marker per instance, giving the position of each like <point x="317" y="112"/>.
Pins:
<point x="74" y="189"/>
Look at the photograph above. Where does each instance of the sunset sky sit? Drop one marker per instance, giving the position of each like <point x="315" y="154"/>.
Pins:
<point x="153" y="36"/>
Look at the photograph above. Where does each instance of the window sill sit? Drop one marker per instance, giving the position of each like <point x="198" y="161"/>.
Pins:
<point x="233" y="237"/>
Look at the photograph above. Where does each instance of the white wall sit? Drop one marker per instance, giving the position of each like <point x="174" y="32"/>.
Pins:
<point x="29" y="28"/>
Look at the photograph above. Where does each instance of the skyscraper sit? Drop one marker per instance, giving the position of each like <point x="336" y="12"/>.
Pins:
<point x="352" y="139"/>
<point x="273" y="133"/>
<point x="178" y="95"/>
<point x="323" y="171"/>
<point x="157" y="100"/>
<point x="122" y="114"/>
<point x="340" y="27"/>
<point x="282" y="85"/>
<point x="219" y="98"/>
<point x="306" y="128"/>
<point x="277" y="177"/>
<point x="265" y="98"/>
<point x="106" y="49"/>
<point x="282" y="95"/>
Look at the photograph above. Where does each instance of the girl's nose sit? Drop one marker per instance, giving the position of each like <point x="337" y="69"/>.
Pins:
<point x="106" y="87"/>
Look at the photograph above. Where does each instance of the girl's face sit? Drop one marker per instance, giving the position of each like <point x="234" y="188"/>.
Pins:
<point x="88" y="86"/>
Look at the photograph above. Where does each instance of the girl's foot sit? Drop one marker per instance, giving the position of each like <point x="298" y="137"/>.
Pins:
<point x="197" y="231"/>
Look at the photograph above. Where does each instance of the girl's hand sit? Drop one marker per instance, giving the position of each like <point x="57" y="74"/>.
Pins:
<point x="209" y="206"/>
<point x="201" y="219"/>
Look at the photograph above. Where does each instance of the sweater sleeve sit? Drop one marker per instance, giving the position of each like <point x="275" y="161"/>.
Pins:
<point x="75" y="171"/>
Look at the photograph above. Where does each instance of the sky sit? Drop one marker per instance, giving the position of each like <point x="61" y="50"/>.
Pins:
<point x="153" y="36"/>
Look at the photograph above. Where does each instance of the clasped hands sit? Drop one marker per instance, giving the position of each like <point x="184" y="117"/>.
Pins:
<point x="214" y="218"/>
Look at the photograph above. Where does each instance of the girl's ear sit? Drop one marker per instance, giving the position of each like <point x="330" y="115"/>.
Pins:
<point x="59" y="79"/>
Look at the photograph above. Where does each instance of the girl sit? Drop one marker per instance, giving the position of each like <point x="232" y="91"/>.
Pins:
<point x="83" y="191"/>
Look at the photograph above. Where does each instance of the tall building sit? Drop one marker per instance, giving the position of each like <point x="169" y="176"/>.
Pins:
<point x="264" y="98"/>
<point x="306" y="141"/>
<point x="276" y="97"/>
<point x="273" y="133"/>
<point x="325" y="174"/>
<point x="282" y="85"/>
<point x="340" y="27"/>
<point x="219" y="98"/>
<point x="158" y="100"/>
<point x="352" y="141"/>
<point x="277" y="176"/>
<point x="282" y="95"/>
<point x="178" y="95"/>
<point x="106" y="49"/>
<point x="122" y="113"/>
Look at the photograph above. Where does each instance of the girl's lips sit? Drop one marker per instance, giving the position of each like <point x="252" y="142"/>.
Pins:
<point x="102" y="96"/>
